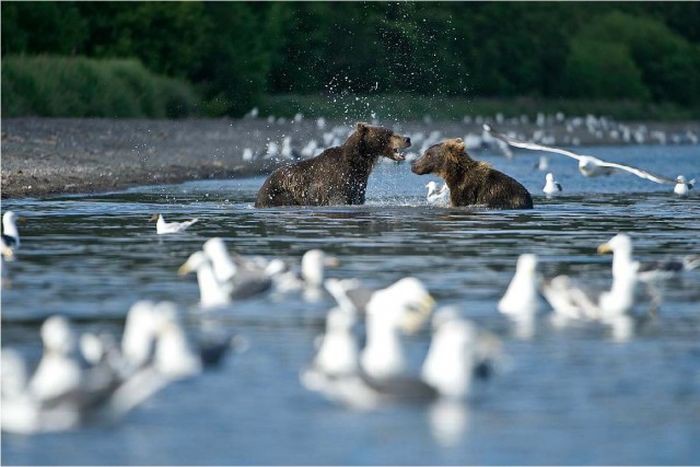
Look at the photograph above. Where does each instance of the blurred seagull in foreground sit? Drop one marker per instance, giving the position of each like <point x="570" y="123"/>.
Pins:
<point x="212" y="293"/>
<point x="521" y="297"/>
<point x="624" y="265"/>
<point x="551" y="186"/>
<point x="589" y="166"/>
<point x="440" y="198"/>
<point x="362" y="380"/>
<point x="612" y="307"/>
<point x="457" y="354"/>
<point x="221" y="278"/>
<point x="163" y="227"/>
<point x="310" y="277"/>
<point x="64" y="393"/>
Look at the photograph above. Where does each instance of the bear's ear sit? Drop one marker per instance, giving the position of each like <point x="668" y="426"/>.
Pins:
<point x="457" y="144"/>
<point x="362" y="126"/>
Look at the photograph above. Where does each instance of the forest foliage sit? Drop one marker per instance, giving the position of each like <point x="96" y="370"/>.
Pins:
<point x="234" y="54"/>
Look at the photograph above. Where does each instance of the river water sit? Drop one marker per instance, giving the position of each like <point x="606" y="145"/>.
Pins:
<point x="562" y="396"/>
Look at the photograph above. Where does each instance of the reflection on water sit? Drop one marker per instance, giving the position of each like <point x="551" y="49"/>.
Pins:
<point x="569" y="395"/>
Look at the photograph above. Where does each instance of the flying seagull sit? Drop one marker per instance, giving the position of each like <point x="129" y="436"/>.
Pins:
<point x="591" y="166"/>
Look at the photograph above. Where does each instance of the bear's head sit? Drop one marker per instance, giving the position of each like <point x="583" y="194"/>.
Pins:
<point x="440" y="158"/>
<point x="379" y="141"/>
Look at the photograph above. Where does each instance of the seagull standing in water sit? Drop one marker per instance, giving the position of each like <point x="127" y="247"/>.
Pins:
<point x="683" y="186"/>
<point x="551" y="186"/>
<point x="589" y="166"/>
<point x="440" y="198"/>
<point x="624" y="265"/>
<point x="377" y="373"/>
<point x="10" y="234"/>
<point x="521" y="297"/>
<point x="163" y="227"/>
<point x="309" y="279"/>
<point x="521" y="300"/>
<point x="212" y="293"/>
<point x="542" y="164"/>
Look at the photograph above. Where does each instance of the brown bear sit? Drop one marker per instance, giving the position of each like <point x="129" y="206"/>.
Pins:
<point x="336" y="176"/>
<point x="471" y="182"/>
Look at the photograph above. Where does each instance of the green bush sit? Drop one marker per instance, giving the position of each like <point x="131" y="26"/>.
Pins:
<point x="80" y="87"/>
<point x="597" y="69"/>
<point x="640" y="49"/>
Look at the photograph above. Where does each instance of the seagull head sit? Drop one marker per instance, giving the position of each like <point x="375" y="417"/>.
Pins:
<point x="58" y="336"/>
<point x="313" y="265"/>
<point x="619" y="243"/>
<point x="9" y="217"/>
<point x="155" y="217"/>
<point x="215" y="250"/>
<point x="196" y="260"/>
<point x="405" y="304"/>
<point x="526" y="264"/>
<point x="431" y="186"/>
<point x="549" y="177"/>
<point x="681" y="179"/>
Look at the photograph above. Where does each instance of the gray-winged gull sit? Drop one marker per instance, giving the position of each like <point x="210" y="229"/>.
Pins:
<point x="163" y="227"/>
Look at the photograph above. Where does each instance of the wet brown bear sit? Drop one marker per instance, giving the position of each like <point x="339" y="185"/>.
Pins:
<point x="336" y="176"/>
<point x="471" y="182"/>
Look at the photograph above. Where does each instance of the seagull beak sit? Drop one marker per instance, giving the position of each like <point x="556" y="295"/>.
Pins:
<point x="331" y="262"/>
<point x="604" y="248"/>
<point x="21" y="220"/>
<point x="7" y="253"/>
<point x="184" y="269"/>
<point x="415" y="318"/>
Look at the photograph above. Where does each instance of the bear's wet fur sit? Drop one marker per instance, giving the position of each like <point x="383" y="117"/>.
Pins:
<point x="471" y="182"/>
<point x="336" y="176"/>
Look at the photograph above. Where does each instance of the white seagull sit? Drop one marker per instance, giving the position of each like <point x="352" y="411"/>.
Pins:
<point x="163" y="227"/>
<point x="440" y="198"/>
<point x="310" y="278"/>
<point x="683" y="186"/>
<point x="589" y="166"/>
<point x="611" y="308"/>
<point x="378" y="373"/>
<point x="624" y="265"/>
<point x="521" y="297"/>
<point x="551" y="186"/>
<point x="10" y="234"/>
<point x="241" y="277"/>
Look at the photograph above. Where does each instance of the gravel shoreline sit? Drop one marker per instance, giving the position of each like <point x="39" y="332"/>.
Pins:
<point x="47" y="156"/>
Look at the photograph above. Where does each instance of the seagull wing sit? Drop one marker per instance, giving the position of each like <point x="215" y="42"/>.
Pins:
<point x="613" y="165"/>
<point x="517" y="143"/>
<point x="638" y="172"/>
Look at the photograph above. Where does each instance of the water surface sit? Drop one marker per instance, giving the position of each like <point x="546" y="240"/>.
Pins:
<point x="564" y="396"/>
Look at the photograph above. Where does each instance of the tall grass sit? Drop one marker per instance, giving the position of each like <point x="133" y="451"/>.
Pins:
<point x="52" y="86"/>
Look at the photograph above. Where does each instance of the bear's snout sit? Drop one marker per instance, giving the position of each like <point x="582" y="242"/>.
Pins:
<point x="407" y="140"/>
<point x="419" y="168"/>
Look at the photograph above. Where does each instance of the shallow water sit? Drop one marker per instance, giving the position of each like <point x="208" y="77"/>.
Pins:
<point x="563" y="396"/>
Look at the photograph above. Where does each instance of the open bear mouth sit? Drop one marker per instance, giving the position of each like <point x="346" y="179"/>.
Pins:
<point x="397" y="156"/>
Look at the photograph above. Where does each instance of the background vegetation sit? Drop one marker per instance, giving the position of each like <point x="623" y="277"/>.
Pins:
<point x="240" y="55"/>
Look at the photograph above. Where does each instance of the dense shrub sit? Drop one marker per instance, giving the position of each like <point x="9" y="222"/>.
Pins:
<point x="237" y="52"/>
<point x="81" y="87"/>
<point x="637" y="52"/>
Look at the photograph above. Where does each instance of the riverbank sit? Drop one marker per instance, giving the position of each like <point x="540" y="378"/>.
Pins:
<point x="44" y="156"/>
